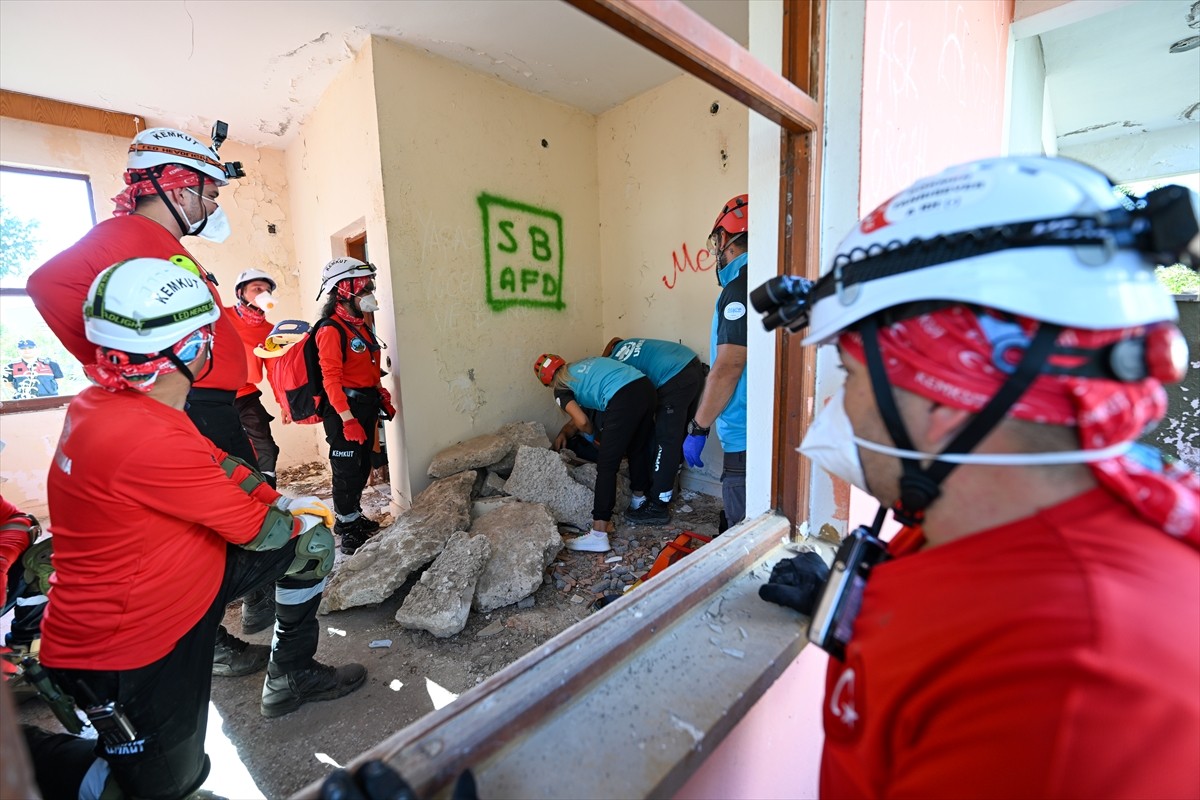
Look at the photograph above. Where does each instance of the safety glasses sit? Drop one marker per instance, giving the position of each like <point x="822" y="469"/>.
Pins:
<point x="190" y="348"/>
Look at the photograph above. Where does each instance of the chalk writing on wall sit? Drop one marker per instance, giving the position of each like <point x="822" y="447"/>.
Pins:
<point x="522" y="254"/>
<point x="703" y="263"/>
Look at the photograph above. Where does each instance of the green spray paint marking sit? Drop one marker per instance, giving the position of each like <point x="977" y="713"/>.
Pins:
<point x="522" y="253"/>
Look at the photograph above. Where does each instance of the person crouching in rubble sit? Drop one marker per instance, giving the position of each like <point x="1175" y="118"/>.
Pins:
<point x="627" y="399"/>
<point x="348" y="350"/>
<point x="155" y="531"/>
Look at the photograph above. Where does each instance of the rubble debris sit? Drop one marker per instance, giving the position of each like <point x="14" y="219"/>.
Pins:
<point x="481" y="451"/>
<point x="586" y="474"/>
<point x="487" y="505"/>
<point x="540" y="476"/>
<point x="493" y="485"/>
<point x="383" y="564"/>
<point x="378" y="643"/>
<point x="441" y="600"/>
<point x="529" y="434"/>
<point x="524" y="541"/>
<point x="491" y="630"/>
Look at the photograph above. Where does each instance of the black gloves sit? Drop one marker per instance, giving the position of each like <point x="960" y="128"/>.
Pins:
<point x="796" y="582"/>
<point x="375" y="780"/>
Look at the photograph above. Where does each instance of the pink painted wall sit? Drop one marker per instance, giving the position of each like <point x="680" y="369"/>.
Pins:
<point x="933" y="89"/>
<point x="933" y="96"/>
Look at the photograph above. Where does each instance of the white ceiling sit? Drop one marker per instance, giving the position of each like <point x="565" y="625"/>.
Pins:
<point x="262" y="65"/>
<point x="1111" y="75"/>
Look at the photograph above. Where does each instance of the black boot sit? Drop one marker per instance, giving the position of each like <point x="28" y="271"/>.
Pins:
<point x="233" y="658"/>
<point x="284" y="692"/>
<point x="258" y="610"/>
<point x="354" y="534"/>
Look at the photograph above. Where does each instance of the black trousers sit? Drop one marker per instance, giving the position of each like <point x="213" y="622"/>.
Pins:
<point x="628" y="431"/>
<point x="214" y="414"/>
<point x="733" y="487"/>
<point x="677" y="402"/>
<point x="350" y="462"/>
<point x="167" y="701"/>
<point x="256" y="422"/>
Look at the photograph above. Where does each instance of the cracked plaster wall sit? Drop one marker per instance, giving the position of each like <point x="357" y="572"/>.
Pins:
<point x="446" y="135"/>
<point x="668" y="165"/>
<point x="251" y="203"/>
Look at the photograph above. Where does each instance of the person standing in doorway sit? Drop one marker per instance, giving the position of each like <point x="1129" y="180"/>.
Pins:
<point x="723" y="402"/>
<point x="349" y="354"/>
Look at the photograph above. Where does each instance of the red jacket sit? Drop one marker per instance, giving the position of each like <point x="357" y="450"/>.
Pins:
<point x="252" y="336"/>
<point x="1056" y="656"/>
<point x="141" y="517"/>
<point x="359" y="369"/>
<point x="60" y="286"/>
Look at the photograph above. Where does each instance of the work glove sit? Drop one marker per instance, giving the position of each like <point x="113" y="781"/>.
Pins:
<point x="352" y="431"/>
<point x="306" y="505"/>
<point x="796" y="582"/>
<point x="693" y="445"/>
<point x="385" y="400"/>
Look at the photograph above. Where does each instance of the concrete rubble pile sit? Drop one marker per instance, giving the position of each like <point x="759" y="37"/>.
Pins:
<point x="487" y="528"/>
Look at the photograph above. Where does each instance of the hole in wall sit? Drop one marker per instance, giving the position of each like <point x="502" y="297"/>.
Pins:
<point x="545" y="143"/>
<point x="714" y="108"/>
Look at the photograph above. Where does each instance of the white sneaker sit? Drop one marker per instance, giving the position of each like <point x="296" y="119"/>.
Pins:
<point x="593" y="542"/>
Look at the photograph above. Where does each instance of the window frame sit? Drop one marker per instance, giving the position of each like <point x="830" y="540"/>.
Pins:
<point x="43" y="403"/>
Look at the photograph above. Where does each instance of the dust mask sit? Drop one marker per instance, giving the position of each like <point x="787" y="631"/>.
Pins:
<point x="830" y="443"/>
<point x="367" y="303"/>
<point x="217" y="228"/>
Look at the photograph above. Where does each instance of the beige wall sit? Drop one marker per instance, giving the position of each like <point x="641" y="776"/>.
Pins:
<point x="447" y="136"/>
<point x="667" y="166"/>
<point x="252" y="203"/>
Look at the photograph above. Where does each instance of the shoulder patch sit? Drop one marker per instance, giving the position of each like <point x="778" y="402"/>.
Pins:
<point x="734" y="311"/>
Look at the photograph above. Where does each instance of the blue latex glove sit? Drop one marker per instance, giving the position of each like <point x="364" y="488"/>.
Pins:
<point x="591" y="437"/>
<point x="693" y="445"/>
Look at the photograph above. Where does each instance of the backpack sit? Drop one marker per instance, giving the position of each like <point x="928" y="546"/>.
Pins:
<point x="296" y="377"/>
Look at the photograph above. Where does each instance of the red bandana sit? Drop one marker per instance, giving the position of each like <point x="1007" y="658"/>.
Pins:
<point x="252" y="315"/>
<point x="951" y="356"/>
<point x="173" y="177"/>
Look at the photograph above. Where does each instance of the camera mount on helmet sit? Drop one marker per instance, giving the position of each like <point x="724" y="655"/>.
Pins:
<point x="220" y="132"/>
<point x="783" y="300"/>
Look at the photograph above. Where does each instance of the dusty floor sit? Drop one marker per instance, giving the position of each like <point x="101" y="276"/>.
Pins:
<point x="416" y="671"/>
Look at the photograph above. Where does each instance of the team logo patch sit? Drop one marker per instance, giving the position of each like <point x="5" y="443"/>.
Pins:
<point x="357" y="345"/>
<point x="734" y="311"/>
<point x="845" y="705"/>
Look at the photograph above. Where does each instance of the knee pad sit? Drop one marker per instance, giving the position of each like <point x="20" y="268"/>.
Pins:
<point x="275" y="532"/>
<point x="314" y="554"/>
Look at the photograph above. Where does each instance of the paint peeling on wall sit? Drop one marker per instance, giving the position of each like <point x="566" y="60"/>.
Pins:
<point x="523" y="254"/>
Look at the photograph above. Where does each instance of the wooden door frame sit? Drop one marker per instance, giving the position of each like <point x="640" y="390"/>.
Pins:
<point x="791" y="99"/>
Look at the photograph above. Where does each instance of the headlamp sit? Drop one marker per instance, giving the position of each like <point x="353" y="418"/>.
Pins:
<point x="783" y="300"/>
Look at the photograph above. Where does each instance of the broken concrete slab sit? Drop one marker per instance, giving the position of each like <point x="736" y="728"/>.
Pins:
<point x="540" y="476"/>
<point x="493" y="485"/>
<point x="441" y="600"/>
<point x="481" y="451"/>
<point x="524" y="539"/>
<point x="529" y="434"/>
<point x="586" y="474"/>
<point x="487" y="505"/>
<point x="383" y="564"/>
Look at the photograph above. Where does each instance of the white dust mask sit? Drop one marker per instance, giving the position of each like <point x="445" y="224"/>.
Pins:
<point x="830" y="443"/>
<point x="217" y="228"/>
<point x="367" y="303"/>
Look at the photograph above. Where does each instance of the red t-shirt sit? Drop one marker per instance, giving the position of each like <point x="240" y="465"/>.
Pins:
<point x="252" y="336"/>
<point x="141" y="514"/>
<point x="359" y="369"/>
<point x="60" y="286"/>
<point x="1058" y="656"/>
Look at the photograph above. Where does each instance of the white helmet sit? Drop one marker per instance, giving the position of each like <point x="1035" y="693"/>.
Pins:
<point x="157" y="146"/>
<point x="340" y="269"/>
<point x="145" y="305"/>
<point x="252" y="275"/>
<point x="1086" y="254"/>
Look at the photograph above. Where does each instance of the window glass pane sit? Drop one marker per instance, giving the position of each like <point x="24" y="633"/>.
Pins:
<point x="44" y="370"/>
<point x="41" y="214"/>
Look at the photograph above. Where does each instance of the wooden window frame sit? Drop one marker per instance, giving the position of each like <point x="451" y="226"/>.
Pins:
<point x="58" y="401"/>
<point x="547" y="699"/>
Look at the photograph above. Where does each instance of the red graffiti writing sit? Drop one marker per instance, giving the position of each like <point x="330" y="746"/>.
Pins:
<point x="703" y="263"/>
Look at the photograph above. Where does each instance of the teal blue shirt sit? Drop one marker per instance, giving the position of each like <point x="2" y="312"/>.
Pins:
<point x="658" y="360"/>
<point x="729" y="327"/>
<point x="594" y="381"/>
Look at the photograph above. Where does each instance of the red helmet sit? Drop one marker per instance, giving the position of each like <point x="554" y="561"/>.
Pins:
<point x="735" y="216"/>
<point x="546" y="365"/>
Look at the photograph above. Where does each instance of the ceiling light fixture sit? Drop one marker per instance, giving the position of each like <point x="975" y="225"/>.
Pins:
<point x="1183" y="45"/>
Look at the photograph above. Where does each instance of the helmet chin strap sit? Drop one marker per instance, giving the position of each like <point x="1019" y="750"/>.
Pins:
<point x="184" y="225"/>
<point x="919" y="488"/>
